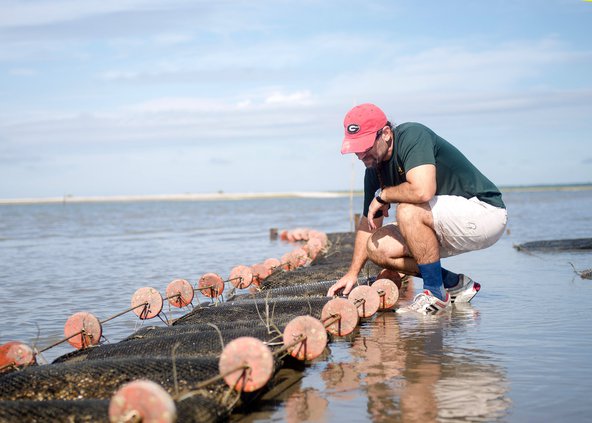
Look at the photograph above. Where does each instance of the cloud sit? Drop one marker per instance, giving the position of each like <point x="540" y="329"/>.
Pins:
<point x="163" y="122"/>
<point x="170" y="39"/>
<point x="463" y="68"/>
<point x="22" y="72"/>
<point x="36" y="13"/>
<point x="145" y="76"/>
<point x="439" y="81"/>
<point x="220" y="161"/>
<point x="301" y="98"/>
<point x="49" y="20"/>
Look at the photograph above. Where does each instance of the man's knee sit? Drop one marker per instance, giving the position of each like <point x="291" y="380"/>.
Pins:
<point x="385" y="243"/>
<point x="408" y="213"/>
<point x="373" y="248"/>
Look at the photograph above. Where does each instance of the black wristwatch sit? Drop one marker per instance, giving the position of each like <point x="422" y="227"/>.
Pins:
<point x="380" y="200"/>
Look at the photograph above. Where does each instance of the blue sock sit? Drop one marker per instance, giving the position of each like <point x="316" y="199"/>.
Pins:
<point x="450" y="279"/>
<point x="432" y="278"/>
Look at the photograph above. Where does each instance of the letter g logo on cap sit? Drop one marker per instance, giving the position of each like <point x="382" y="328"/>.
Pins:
<point x="353" y="128"/>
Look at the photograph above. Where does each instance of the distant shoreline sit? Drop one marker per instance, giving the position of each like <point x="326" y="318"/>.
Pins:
<point x="223" y="196"/>
<point x="70" y="199"/>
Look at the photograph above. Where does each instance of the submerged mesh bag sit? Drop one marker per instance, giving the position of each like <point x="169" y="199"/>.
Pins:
<point x="340" y="249"/>
<point x="330" y="266"/>
<point x="156" y="331"/>
<point x="264" y="310"/>
<point x="101" y="378"/>
<point x="556" y="245"/>
<point x="182" y="345"/>
<point x="192" y="410"/>
<point x="304" y="275"/>
<point x="315" y="289"/>
<point x="78" y="386"/>
<point x="83" y="411"/>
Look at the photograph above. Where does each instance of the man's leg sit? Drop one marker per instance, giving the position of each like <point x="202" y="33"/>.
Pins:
<point x="416" y="224"/>
<point x="387" y="248"/>
<point x="450" y="279"/>
<point x="464" y="225"/>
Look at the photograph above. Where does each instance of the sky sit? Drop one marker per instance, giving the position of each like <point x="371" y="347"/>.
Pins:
<point x="142" y="97"/>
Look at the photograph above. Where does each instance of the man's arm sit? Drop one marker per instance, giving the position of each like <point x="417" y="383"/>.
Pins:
<point x="419" y="188"/>
<point x="359" y="258"/>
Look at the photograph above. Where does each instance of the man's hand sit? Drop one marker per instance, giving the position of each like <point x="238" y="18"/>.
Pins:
<point x="373" y="209"/>
<point x="346" y="283"/>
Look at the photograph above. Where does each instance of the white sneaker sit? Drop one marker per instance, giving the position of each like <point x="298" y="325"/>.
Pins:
<point x="426" y="303"/>
<point x="464" y="290"/>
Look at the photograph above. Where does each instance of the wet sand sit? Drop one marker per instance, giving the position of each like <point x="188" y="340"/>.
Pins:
<point x="220" y="196"/>
<point x="226" y="196"/>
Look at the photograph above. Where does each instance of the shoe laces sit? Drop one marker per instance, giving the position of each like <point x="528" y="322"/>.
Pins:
<point x="420" y="301"/>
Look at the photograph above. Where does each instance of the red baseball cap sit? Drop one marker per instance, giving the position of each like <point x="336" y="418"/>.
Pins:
<point x="361" y="125"/>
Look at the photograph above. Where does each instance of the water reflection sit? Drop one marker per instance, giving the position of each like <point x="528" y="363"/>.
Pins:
<point x="307" y="405"/>
<point x="409" y="370"/>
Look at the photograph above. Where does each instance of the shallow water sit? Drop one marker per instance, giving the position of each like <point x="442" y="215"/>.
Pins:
<point x="520" y="352"/>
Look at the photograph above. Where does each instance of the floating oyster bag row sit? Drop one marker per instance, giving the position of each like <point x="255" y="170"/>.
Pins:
<point x="172" y="372"/>
<point x="83" y="329"/>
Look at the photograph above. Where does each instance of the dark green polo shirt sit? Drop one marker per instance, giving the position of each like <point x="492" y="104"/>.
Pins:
<point x="415" y="145"/>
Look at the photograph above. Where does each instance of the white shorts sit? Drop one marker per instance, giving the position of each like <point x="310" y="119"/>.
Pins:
<point x="463" y="225"/>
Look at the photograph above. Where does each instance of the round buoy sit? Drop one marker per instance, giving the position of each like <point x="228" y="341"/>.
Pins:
<point x="260" y="273"/>
<point x="241" y="276"/>
<point x="180" y="293"/>
<point x="313" y="335"/>
<point x="387" y="291"/>
<point x="293" y="260"/>
<point x="290" y="236"/>
<point x="287" y="261"/>
<point x="15" y="354"/>
<point x="314" y="247"/>
<point x="86" y="326"/>
<point x="211" y="285"/>
<point x="153" y="300"/>
<point x="300" y="234"/>
<point x="347" y="313"/>
<point x="284" y="235"/>
<point x="321" y="236"/>
<point x="366" y="300"/>
<point x="246" y="364"/>
<point x="299" y="257"/>
<point x="271" y="264"/>
<point x="142" y="401"/>
<point x="393" y="275"/>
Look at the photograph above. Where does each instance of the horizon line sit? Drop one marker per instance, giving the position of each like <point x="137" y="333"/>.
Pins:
<point x="224" y="196"/>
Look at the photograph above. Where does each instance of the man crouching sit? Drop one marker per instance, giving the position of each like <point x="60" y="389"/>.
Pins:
<point x="445" y="207"/>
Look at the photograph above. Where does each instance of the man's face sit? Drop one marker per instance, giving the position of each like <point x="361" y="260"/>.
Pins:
<point x="375" y="154"/>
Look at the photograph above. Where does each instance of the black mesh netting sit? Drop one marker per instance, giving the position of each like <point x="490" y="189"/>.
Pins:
<point x="264" y="310"/>
<point x="304" y="275"/>
<point x="77" y="387"/>
<point x="191" y="410"/>
<point x="156" y="331"/>
<point x="101" y="378"/>
<point x="556" y="245"/>
<point x="200" y="344"/>
<point x="315" y="289"/>
<point x="90" y="411"/>
<point x="330" y="266"/>
<point x="340" y="249"/>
